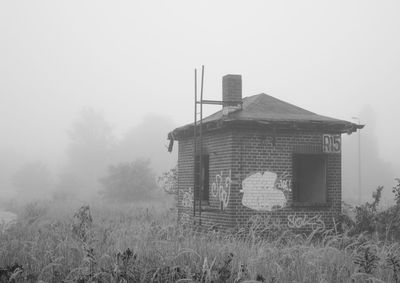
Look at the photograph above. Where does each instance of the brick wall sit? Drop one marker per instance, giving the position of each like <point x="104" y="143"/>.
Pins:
<point x="218" y="145"/>
<point x="238" y="154"/>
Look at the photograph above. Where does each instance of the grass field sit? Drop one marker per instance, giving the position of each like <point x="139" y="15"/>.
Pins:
<point x="67" y="242"/>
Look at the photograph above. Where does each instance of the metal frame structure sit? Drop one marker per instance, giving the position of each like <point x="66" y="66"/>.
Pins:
<point x="198" y="140"/>
<point x="198" y="146"/>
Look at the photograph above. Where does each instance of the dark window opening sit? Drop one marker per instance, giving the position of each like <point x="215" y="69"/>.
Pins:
<point x="202" y="178"/>
<point x="310" y="178"/>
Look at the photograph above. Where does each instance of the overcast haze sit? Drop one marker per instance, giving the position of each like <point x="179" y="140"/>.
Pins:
<point x="132" y="59"/>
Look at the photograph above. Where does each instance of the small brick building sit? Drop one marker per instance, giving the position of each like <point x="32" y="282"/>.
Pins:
<point x="260" y="156"/>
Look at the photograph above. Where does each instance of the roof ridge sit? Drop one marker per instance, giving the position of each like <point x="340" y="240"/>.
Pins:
<point x="287" y="103"/>
<point x="251" y="99"/>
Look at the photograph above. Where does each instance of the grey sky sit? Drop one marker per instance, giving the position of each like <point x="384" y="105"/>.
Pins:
<point x="131" y="58"/>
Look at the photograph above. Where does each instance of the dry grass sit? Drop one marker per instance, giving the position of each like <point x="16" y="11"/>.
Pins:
<point x="122" y="243"/>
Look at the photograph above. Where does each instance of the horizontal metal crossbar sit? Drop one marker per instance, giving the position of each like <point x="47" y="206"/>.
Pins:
<point x="218" y="102"/>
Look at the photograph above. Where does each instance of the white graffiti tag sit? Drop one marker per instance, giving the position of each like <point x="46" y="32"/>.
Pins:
<point x="284" y="183"/>
<point x="187" y="199"/>
<point x="221" y="188"/>
<point x="315" y="222"/>
<point x="266" y="221"/>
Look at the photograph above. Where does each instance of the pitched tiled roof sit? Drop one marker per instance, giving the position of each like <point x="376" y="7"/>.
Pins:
<point x="263" y="107"/>
<point x="268" y="109"/>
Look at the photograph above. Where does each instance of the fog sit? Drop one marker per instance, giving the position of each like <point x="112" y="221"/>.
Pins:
<point x="126" y="69"/>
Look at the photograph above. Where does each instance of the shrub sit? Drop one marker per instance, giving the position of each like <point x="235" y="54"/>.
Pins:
<point x="385" y="224"/>
<point x="367" y="214"/>
<point x="129" y="182"/>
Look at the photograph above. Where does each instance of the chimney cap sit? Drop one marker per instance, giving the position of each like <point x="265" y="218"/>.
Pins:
<point x="232" y="75"/>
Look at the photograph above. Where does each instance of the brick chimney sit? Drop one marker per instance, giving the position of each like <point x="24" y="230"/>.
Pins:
<point x="231" y="93"/>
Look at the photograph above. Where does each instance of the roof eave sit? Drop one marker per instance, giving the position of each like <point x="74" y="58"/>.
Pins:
<point x="334" y="126"/>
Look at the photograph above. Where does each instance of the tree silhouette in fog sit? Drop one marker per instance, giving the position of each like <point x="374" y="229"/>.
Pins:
<point x="89" y="153"/>
<point x="148" y="140"/>
<point x="95" y="154"/>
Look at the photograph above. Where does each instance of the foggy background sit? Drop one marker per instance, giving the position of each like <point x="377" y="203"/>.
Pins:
<point x="88" y="84"/>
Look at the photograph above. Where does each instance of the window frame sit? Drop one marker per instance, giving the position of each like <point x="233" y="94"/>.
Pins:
<point x="296" y="200"/>
<point x="202" y="174"/>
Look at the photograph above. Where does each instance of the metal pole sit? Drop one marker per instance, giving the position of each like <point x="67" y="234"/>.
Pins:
<point x="194" y="143"/>
<point x="359" y="161"/>
<point x="359" y="164"/>
<point x="201" y="143"/>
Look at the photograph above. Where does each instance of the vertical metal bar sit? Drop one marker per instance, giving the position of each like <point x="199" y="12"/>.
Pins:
<point x="201" y="143"/>
<point x="194" y="143"/>
<point x="359" y="165"/>
<point x="359" y="160"/>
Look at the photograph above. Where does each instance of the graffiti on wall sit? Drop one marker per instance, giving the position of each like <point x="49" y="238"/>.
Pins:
<point x="187" y="199"/>
<point x="265" y="191"/>
<point x="187" y="202"/>
<point x="221" y="188"/>
<point x="266" y="221"/>
<point x="185" y="218"/>
<point x="315" y="223"/>
<point x="284" y="182"/>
